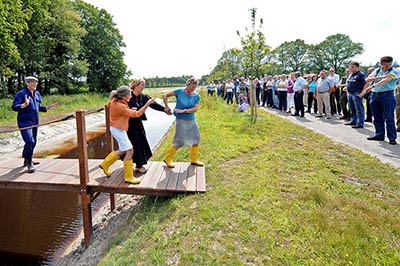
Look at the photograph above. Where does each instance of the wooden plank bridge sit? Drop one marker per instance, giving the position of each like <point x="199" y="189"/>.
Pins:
<point x="86" y="178"/>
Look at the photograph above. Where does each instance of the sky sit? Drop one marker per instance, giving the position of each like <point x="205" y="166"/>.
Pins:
<point x="177" y="37"/>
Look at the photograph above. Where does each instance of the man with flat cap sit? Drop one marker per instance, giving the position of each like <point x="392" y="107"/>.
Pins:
<point x="27" y="103"/>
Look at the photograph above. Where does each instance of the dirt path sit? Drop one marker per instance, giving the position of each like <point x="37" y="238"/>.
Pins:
<point x="357" y="138"/>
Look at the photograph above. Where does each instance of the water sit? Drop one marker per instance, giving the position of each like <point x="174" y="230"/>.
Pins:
<point x="36" y="226"/>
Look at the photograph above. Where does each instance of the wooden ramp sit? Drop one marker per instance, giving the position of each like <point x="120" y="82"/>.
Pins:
<point x="63" y="175"/>
<point x="86" y="178"/>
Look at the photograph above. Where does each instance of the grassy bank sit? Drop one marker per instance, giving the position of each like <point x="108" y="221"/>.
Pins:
<point x="278" y="194"/>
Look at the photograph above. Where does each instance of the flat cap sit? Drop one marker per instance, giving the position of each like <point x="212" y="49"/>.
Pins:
<point x="30" y="78"/>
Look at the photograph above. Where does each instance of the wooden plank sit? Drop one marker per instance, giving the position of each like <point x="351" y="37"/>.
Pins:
<point x="21" y="173"/>
<point x="163" y="179"/>
<point x="73" y="171"/>
<point x="82" y="148"/>
<point x="200" y="179"/>
<point x="191" y="180"/>
<point x="146" y="180"/>
<point x="132" y="190"/>
<point x="7" y="163"/>
<point x="39" y="187"/>
<point x="45" y="175"/>
<point x="115" y="175"/>
<point x="124" y="184"/>
<point x="156" y="176"/>
<point x="119" y="180"/>
<point x="173" y="179"/>
<point x="97" y="176"/>
<point x="75" y="179"/>
<point x="183" y="175"/>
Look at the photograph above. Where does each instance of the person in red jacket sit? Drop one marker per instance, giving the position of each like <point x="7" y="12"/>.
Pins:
<point x="119" y="124"/>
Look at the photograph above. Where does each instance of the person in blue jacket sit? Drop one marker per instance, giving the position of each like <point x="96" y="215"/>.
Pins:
<point x="27" y="103"/>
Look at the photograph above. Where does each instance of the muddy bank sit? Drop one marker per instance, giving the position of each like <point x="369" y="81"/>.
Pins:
<point x="105" y="224"/>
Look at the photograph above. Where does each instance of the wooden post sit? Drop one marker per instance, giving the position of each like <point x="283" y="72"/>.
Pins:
<point x="255" y="101"/>
<point x="250" y="98"/>
<point x="84" y="176"/>
<point x="110" y="148"/>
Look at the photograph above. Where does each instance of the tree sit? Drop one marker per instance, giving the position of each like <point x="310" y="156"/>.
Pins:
<point x="316" y="59"/>
<point x="338" y="49"/>
<point x="293" y="55"/>
<point x="12" y="25"/>
<point x="254" y="48"/>
<point x="101" y="48"/>
<point x="50" y="47"/>
<point x="227" y="66"/>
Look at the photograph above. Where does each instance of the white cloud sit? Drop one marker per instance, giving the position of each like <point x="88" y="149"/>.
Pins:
<point x="176" y="37"/>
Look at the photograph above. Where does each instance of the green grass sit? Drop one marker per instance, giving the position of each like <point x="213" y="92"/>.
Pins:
<point x="278" y="194"/>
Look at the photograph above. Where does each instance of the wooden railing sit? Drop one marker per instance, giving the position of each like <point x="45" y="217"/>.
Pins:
<point x="86" y="196"/>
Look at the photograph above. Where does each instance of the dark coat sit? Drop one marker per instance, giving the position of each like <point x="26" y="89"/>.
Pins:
<point x="28" y="116"/>
<point x="136" y="133"/>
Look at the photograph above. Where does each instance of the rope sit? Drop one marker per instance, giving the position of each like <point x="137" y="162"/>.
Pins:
<point x="65" y="118"/>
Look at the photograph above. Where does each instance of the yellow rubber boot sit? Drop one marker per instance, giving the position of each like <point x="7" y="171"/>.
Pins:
<point x="128" y="173"/>
<point x="194" y="156"/>
<point x="170" y="154"/>
<point x="108" y="161"/>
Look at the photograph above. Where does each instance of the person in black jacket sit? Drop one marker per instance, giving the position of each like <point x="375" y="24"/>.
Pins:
<point x="136" y="133"/>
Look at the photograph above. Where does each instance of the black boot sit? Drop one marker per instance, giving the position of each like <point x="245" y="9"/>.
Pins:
<point x="31" y="169"/>
<point x="26" y="162"/>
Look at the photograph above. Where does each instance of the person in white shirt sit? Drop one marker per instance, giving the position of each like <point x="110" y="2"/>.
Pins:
<point x="335" y="94"/>
<point x="229" y="91"/>
<point x="282" y="88"/>
<point x="299" y="87"/>
<point x="270" y="92"/>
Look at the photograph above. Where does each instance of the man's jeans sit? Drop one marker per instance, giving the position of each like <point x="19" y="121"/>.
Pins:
<point x="382" y="106"/>
<point x="356" y="109"/>
<point x="398" y="107"/>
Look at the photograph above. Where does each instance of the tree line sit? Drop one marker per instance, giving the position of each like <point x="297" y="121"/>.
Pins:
<point x="256" y="58"/>
<point x="162" y="82"/>
<point x="66" y="44"/>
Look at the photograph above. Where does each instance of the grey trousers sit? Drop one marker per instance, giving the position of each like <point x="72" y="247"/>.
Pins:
<point x="324" y="99"/>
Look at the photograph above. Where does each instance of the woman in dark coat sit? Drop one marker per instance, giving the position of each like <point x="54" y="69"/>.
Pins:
<point x="136" y="133"/>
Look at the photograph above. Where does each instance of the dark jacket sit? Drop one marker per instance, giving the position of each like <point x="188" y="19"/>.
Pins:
<point x="140" y="100"/>
<point x="28" y="116"/>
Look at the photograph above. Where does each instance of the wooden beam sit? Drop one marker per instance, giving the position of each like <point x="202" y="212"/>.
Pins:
<point x="84" y="176"/>
<point x="110" y="148"/>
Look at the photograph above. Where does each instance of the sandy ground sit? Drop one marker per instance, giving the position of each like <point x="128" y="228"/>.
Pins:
<point x="105" y="225"/>
<point x="336" y="130"/>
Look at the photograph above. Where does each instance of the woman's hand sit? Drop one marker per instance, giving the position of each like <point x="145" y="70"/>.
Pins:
<point x="167" y="110"/>
<point x="179" y="111"/>
<point x="150" y="102"/>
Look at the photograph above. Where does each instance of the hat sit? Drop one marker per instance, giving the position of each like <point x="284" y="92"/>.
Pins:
<point x="30" y="78"/>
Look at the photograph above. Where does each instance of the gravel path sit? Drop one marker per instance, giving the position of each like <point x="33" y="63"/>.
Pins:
<point x="357" y="138"/>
